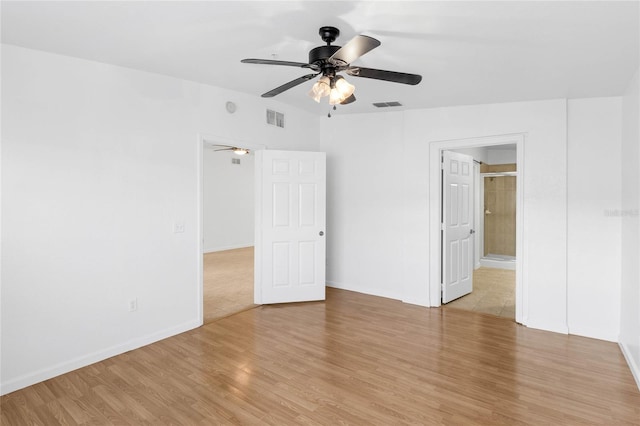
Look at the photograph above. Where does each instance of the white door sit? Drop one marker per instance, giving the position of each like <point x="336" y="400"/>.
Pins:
<point x="290" y="226"/>
<point x="457" y="225"/>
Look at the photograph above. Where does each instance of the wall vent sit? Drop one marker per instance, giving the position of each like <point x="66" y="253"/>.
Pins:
<point x="275" y="118"/>
<point x="387" y="104"/>
<point x="235" y="161"/>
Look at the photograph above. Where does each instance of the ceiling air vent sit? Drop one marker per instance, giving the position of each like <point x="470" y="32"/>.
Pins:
<point x="387" y="104"/>
<point x="275" y="118"/>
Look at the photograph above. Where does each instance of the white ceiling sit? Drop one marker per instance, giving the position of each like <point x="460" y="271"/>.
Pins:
<point x="467" y="52"/>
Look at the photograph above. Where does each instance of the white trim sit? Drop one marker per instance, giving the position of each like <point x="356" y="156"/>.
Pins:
<point x="435" y="150"/>
<point x="548" y="326"/>
<point x="498" y="264"/>
<point x="478" y="222"/>
<point x="223" y="248"/>
<point x="370" y="291"/>
<point x="83" y="361"/>
<point x="257" y="258"/>
<point x="635" y="368"/>
<point x="595" y="333"/>
<point x="200" y="225"/>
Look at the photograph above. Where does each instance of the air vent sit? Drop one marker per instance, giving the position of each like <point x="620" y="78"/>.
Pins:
<point x="275" y="118"/>
<point x="235" y="161"/>
<point x="387" y="104"/>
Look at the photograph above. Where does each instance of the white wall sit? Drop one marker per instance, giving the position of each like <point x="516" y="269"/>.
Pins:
<point x="630" y="291"/>
<point x="365" y="202"/>
<point x="594" y="234"/>
<point x="501" y="156"/>
<point x="98" y="162"/>
<point x="379" y="209"/>
<point x="571" y="188"/>
<point x="491" y="155"/>
<point x="228" y="204"/>
<point x="480" y="153"/>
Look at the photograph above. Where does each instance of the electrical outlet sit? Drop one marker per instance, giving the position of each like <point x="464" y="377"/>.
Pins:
<point x="133" y="305"/>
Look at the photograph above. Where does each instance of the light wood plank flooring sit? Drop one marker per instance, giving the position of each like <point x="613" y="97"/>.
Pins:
<point x="494" y="292"/>
<point x="354" y="359"/>
<point x="228" y="282"/>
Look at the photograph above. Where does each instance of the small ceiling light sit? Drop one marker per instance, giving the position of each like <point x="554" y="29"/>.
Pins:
<point x="320" y="89"/>
<point x="240" y="151"/>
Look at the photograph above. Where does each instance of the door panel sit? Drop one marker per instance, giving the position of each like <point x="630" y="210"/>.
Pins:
<point x="457" y="226"/>
<point x="290" y="226"/>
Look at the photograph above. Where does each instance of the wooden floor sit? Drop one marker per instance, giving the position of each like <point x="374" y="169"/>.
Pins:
<point x="227" y="282"/>
<point x="494" y="292"/>
<point x="354" y="359"/>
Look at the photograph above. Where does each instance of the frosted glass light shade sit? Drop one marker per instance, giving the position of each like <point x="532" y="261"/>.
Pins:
<point x="340" y="91"/>
<point x="320" y="89"/>
<point x="344" y="87"/>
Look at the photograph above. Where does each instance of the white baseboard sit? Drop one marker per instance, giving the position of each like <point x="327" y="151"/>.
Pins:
<point x="369" y="291"/>
<point x="635" y="368"/>
<point x="83" y="361"/>
<point x="223" y="248"/>
<point x="593" y="333"/>
<point x="548" y="326"/>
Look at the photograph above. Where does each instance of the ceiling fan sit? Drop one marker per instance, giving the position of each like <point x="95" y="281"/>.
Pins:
<point x="329" y="60"/>
<point x="235" y="149"/>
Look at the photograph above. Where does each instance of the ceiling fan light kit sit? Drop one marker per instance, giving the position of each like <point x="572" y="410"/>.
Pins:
<point x="328" y="61"/>
<point x="240" y="151"/>
<point x="234" y="149"/>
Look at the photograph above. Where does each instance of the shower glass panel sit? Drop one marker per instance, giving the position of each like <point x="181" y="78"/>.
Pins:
<point x="500" y="216"/>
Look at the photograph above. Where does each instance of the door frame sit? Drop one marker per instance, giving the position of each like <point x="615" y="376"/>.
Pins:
<point x="202" y="139"/>
<point x="435" y="207"/>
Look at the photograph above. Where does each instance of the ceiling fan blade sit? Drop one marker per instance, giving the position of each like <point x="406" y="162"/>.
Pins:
<point x="393" y="76"/>
<point x="356" y="47"/>
<point x="289" y="85"/>
<point x="274" y="62"/>
<point x="349" y="100"/>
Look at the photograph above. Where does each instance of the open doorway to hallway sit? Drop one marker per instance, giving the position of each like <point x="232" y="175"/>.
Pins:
<point x="228" y="232"/>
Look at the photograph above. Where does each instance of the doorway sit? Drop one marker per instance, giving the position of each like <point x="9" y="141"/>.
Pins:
<point x="227" y="228"/>
<point x="436" y="200"/>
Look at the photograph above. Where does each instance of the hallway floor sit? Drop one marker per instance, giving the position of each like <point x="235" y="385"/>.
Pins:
<point x="494" y="292"/>
<point x="228" y="282"/>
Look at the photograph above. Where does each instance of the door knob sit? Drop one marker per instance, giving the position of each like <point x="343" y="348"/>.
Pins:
<point x="321" y="233"/>
<point x="472" y="231"/>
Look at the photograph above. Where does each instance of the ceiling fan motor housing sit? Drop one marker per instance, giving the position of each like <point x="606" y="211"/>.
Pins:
<point x="321" y="54"/>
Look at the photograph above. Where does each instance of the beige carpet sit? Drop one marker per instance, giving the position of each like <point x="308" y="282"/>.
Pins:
<point x="228" y="282"/>
<point x="494" y="292"/>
